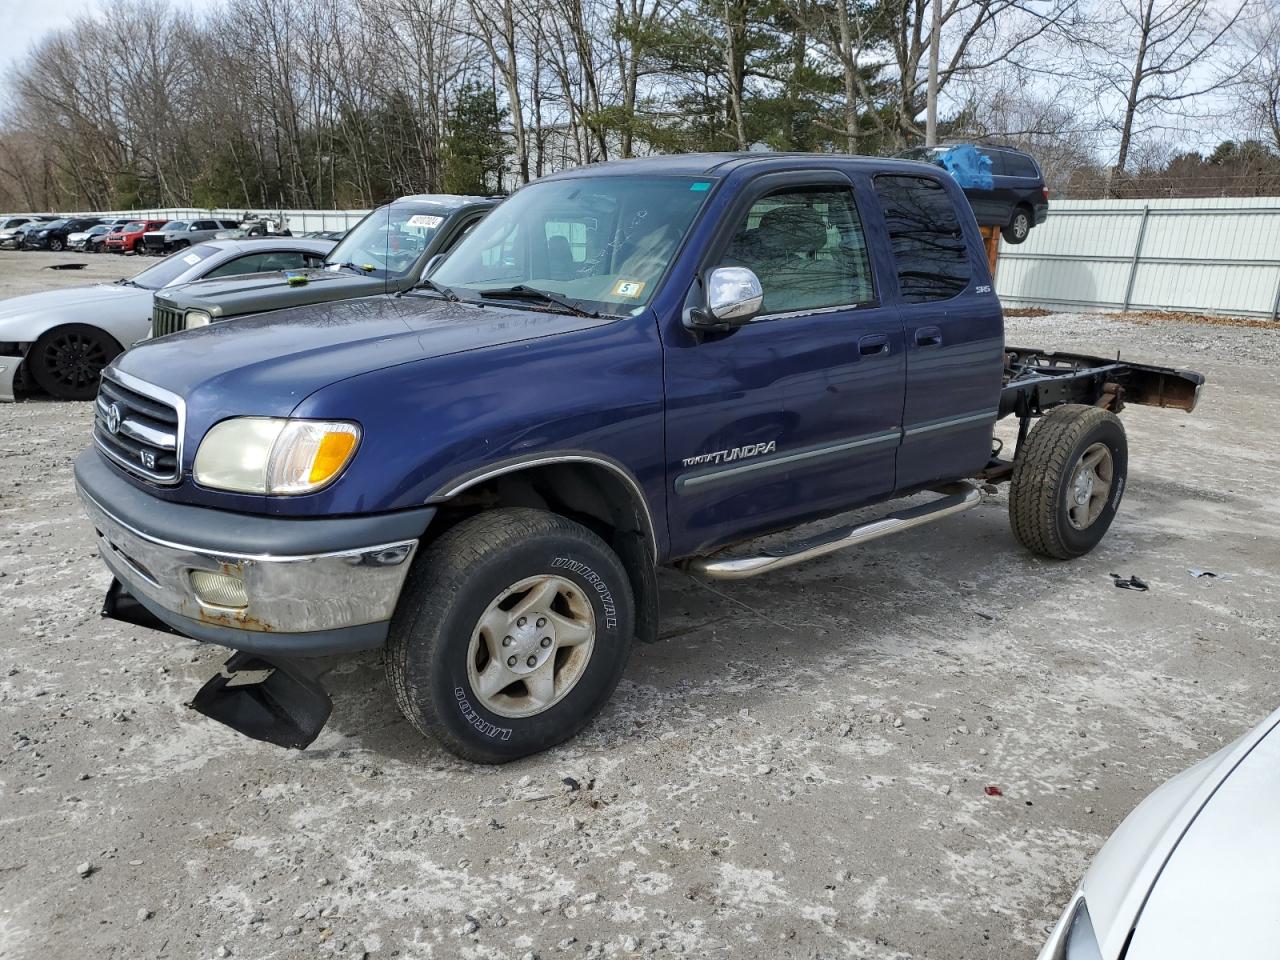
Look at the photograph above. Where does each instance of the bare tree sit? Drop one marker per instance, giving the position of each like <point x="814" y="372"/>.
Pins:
<point x="1259" y="72"/>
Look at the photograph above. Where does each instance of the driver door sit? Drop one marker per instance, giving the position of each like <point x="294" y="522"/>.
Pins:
<point x="796" y="413"/>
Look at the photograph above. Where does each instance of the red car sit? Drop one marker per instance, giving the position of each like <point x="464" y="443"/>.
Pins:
<point x="131" y="236"/>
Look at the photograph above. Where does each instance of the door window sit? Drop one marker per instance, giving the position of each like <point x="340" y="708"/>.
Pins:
<point x="928" y="246"/>
<point x="259" y="263"/>
<point x="808" y="249"/>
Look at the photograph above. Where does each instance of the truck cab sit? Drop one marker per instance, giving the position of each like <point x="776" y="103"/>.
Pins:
<point x="623" y="366"/>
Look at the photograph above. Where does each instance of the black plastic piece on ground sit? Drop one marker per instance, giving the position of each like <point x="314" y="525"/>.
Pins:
<point x="119" y="604"/>
<point x="1129" y="583"/>
<point x="286" y="707"/>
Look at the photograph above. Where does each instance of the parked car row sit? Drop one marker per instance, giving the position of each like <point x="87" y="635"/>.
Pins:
<point x="123" y="234"/>
<point x="58" y="341"/>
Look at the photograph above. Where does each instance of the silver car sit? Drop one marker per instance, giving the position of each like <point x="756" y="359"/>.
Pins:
<point x="61" y="339"/>
<point x="1192" y="873"/>
<point x="177" y="234"/>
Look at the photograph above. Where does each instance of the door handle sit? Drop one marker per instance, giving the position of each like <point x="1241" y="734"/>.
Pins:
<point x="873" y="345"/>
<point x="929" y="337"/>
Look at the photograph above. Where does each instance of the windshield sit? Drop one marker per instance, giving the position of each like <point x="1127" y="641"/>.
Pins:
<point x="172" y="267"/>
<point x="603" y="241"/>
<point x="390" y="239"/>
<point x="133" y="228"/>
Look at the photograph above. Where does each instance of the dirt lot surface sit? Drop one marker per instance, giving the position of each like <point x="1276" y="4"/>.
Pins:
<point x="796" y="770"/>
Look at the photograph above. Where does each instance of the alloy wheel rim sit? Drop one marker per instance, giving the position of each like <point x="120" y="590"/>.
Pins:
<point x="75" y="359"/>
<point x="531" y="646"/>
<point x="1090" y="486"/>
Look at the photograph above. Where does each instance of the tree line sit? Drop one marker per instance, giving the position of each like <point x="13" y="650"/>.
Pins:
<point x="345" y="103"/>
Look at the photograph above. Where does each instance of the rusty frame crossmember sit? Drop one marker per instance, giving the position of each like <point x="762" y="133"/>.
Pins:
<point x="1035" y="381"/>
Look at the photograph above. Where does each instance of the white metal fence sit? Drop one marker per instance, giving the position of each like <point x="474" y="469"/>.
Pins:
<point x="299" y="221"/>
<point x="1205" y="256"/>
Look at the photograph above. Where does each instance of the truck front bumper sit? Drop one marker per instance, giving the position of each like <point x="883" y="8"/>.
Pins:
<point x="268" y="585"/>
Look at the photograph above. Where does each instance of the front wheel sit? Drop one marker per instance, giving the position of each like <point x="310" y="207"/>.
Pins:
<point x="1068" y="481"/>
<point x="66" y="362"/>
<point x="511" y="633"/>
<point x="56" y="245"/>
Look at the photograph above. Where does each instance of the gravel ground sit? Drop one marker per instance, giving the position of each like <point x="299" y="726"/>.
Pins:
<point x="798" y="768"/>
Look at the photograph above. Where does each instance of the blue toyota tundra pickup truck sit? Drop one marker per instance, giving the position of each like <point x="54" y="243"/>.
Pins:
<point x="639" y="363"/>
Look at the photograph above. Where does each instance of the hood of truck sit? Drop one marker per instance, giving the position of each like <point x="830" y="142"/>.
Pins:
<point x="259" y="292"/>
<point x="265" y="365"/>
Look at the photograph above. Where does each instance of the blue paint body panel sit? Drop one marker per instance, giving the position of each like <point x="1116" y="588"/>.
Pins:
<point x="727" y="435"/>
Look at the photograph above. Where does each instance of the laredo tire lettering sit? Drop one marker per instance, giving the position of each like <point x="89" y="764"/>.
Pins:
<point x="597" y="583"/>
<point x="484" y="726"/>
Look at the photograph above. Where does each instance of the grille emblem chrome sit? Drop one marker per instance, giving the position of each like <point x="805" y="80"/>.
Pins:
<point x="113" y="419"/>
<point x="148" y="459"/>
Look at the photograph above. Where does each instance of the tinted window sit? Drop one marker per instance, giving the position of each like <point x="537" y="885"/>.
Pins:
<point x="928" y="248"/>
<point x="1020" y="166"/>
<point x="807" y="248"/>
<point x="260" y="263"/>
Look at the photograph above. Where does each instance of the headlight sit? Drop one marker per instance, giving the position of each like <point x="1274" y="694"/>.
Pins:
<point x="1081" y="943"/>
<point x="269" y="455"/>
<point x="197" y="318"/>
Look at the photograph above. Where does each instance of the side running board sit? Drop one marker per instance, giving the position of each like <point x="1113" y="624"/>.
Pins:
<point x="956" y="498"/>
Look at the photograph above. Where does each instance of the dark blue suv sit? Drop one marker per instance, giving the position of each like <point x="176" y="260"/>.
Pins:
<point x="1016" y="199"/>
<point x="623" y="366"/>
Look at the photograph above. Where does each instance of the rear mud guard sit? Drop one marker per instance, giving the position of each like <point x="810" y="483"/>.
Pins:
<point x="281" y="704"/>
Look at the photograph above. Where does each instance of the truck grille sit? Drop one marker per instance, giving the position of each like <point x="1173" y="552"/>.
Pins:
<point x="166" y="320"/>
<point x="147" y="430"/>
<point x="154" y="244"/>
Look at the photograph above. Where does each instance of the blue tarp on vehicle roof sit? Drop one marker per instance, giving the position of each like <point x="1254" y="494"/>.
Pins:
<point x="970" y="168"/>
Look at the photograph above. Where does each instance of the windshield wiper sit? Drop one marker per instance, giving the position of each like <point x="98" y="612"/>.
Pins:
<point x="521" y="292"/>
<point x="440" y="288"/>
<point x="364" y="271"/>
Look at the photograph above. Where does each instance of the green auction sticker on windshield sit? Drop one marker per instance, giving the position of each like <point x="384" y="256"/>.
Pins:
<point x="700" y="186"/>
<point x="424" y="220"/>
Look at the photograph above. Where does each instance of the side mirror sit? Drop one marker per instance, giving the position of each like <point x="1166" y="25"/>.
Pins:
<point x="734" y="296"/>
<point x="430" y="265"/>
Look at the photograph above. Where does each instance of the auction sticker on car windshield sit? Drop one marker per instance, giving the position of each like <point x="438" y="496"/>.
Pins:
<point x="424" y="220"/>
<point x="191" y="259"/>
<point x="631" y="289"/>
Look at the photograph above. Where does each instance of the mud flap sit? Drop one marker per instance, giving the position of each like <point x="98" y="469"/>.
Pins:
<point x="119" y="604"/>
<point x="285" y="707"/>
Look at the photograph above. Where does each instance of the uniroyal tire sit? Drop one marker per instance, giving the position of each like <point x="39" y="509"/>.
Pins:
<point x="436" y="644"/>
<point x="1051" y="500"/>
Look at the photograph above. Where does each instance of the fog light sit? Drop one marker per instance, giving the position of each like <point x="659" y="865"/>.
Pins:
<point x="219" y="589"/>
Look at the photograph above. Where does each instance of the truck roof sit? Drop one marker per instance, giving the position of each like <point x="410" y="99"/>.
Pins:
<point x="720" y="164"/>
<point x="443" y="199"/>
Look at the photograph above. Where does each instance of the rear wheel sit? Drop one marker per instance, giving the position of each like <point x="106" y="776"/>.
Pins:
<point x="66" y="362"/>
<point x="1019" y="227"/>
<point x="56" y="244"/>
<point x="1068" y="481"/>
<point x="511" y="633"/>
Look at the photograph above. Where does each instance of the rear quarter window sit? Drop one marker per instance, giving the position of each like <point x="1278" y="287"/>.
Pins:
<point x="929" y="249"/>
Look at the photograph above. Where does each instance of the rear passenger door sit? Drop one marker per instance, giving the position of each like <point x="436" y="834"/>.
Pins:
<point x="954" y="331"/>
<point x="794" y="414"/>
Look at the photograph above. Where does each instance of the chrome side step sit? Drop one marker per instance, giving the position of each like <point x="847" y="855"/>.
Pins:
<point x="956" y="498"/>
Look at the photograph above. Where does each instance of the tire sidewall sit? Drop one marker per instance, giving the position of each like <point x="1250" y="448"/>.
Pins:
<point x="35" y="363"/>
<point x="601" y="578"/>
<point x="1080" y="542"/>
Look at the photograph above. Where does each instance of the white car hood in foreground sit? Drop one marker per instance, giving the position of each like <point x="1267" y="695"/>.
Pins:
<point x="1219" y="893"/>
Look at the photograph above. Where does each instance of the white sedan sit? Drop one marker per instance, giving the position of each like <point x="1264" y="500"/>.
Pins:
<point x="61" y="339"/>
<point x="1193" y="873"/>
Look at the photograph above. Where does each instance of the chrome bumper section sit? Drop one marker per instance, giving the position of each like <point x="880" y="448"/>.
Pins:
<point x="285" y="594"/>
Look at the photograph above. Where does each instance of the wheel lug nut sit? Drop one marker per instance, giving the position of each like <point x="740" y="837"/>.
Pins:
<point x="546" y="641"/>
<point x="511" y="661"/>
<point x="507" y="641"/>
<point x="521" y="622"/>
<point x="542" y="622"/>
<point x="532" y="661"/>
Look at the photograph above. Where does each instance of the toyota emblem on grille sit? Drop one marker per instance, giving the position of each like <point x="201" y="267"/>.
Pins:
<point x="113" y="419"/>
